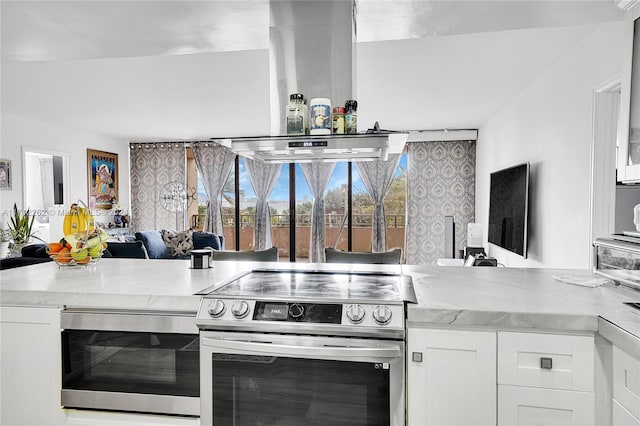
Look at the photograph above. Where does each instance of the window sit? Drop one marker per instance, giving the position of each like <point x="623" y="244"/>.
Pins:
<point x="348" y="210"/>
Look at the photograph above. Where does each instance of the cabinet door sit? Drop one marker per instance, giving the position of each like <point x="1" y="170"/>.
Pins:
<point x="525" y="406"/>
<point x="30" y="366"/>
<point x="622" y="417"/>
<point x="626" y="381"/>
<point x="451" y="377"/>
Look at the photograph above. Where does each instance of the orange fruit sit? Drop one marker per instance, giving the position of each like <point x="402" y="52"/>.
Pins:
<point x="53" y="248"/>
<point x="64" y="256"/>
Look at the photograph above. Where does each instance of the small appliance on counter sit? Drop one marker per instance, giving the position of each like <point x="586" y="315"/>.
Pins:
<point x="618" y="258"/>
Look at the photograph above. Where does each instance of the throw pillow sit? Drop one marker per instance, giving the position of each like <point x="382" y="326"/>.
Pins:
<point x="206" y="239"/>
<point x="154" y="244"/>
<point x="178" y="243"/>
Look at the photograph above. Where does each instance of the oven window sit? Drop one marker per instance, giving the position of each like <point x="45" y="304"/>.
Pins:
<point x="148" y="363"/>
<point x="261" y="390"/>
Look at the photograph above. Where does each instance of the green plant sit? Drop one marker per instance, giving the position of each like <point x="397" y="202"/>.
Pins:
<point x="21" y="227"/>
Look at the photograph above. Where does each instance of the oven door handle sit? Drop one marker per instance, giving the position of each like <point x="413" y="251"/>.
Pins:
<point x="271" y="349"/>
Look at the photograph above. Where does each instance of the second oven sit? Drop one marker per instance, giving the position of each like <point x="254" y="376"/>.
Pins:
<point x="130" y="361"/>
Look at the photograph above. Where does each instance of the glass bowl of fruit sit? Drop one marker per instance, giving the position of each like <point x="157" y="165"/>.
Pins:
<point x="79" y="249"/>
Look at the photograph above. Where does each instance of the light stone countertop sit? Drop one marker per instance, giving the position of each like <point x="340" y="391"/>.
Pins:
<point x="500" y="298"/>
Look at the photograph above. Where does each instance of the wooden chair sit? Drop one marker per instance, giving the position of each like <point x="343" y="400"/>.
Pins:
<point x="268" y="255"/>
<point x="388" y="257"/>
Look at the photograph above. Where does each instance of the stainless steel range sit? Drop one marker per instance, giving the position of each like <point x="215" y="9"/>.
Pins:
<point x="281" y="347"/>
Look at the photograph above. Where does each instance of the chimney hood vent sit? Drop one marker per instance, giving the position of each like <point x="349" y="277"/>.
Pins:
<point x="312" y="51"/>
<point x="300" y="149"/>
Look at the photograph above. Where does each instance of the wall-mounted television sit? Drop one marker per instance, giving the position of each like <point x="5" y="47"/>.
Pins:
<point x="508" y="208"/>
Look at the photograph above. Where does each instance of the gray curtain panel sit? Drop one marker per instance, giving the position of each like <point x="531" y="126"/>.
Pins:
<point x="440" y="182"/>
<point x="46" y="176"/>
<point x="153" y="167"/>
<point x="317" y="175"/>
<point x="215" y="163"/>
<point x="263" y="178"/>
<point x="377" y="177"/>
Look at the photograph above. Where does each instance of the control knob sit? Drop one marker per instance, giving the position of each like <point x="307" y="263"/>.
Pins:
<point x="240" y="309"/>
<point x="382" y="314"/>
<point x="296" y="310"/>
<point x="217" y="308"/>
<point x="355" y="313"/>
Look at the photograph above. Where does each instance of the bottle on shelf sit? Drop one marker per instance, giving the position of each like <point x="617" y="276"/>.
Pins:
<point x="296" y="115"/>
<point x="338" y="121"/>
<point x="351" y="117"/>
<point x="320" y="116"/>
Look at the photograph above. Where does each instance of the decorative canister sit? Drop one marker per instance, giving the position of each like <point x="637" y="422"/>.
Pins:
<point x="338" y="121"/>
<point x="296" y="115"/>
<point x="201" y="259"/>
<point x="320" y="116"/>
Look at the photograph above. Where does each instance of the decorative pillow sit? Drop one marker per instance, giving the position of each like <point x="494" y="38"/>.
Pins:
<point x="178" y="243"/>
<point x="206" y="239"/>
<point x="152" y="240"/>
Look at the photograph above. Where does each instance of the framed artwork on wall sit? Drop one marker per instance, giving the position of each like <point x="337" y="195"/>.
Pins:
<point x="5" y="174"/>
<point x="102" y="172"/>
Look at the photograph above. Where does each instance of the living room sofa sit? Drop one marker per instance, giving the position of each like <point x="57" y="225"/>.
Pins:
<point x="163" y="244"/>
<point x="31" y="254"/>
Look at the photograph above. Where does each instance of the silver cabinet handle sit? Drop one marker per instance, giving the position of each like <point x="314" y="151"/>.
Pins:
<point x="299" y="351"/>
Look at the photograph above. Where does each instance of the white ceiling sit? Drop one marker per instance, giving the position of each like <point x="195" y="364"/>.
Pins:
<point x="192" y="69"/>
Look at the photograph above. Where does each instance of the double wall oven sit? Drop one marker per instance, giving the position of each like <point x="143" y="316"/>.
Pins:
<point x="131" y="361"/>
<point x="315" y="348"/>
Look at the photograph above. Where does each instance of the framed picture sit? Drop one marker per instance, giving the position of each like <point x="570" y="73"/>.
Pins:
<point x="102" y="172"/>
<point x="5" y="174"/>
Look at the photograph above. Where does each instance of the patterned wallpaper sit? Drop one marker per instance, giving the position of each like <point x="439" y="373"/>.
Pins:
<point x="152" y="167"/>
<point x="441" y="182"/>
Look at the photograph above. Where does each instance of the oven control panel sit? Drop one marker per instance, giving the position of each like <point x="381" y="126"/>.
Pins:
<point x="350" y="314"/>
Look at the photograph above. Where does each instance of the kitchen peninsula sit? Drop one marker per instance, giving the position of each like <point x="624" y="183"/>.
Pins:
<point x="509" y="314"/>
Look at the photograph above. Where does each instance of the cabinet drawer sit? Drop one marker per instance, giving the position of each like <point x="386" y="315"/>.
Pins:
<point x="520" y="405"/>
<point x="553" y="361"/>
<point x="626" y="381"/>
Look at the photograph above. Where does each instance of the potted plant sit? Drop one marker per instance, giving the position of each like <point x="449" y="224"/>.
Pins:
<point x="20" y="231"/>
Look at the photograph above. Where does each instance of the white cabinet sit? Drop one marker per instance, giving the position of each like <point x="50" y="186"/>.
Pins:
<point x="451" y="377"/>
<point x="545" y="379"/>
<point x="626" y="388"/>
<point x="30" y="366"/>
<point x="524" y="406"/>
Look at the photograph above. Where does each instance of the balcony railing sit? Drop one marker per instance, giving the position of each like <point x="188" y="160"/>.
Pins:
<point x="303" y="220"/>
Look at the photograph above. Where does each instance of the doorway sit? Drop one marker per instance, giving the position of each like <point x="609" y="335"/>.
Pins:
<point x="45" y="187"/>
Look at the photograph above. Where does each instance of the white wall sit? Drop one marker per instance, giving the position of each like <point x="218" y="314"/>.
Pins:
<point x="17" y="132"/>
<point x="549" y="124"/>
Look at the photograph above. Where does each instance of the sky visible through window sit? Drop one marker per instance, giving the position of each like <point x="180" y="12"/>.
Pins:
<point x="281" y="190"/>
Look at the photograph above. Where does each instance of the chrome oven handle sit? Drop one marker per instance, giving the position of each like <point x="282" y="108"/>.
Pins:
<point x="291" y="350"/>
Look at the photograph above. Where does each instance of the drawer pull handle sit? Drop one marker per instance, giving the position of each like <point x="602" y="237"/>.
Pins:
<point x="546" y="363"/>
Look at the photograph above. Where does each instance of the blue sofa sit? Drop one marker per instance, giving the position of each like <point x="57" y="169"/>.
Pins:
<point x="31" y="254"/>
<point x="175" y="245"/>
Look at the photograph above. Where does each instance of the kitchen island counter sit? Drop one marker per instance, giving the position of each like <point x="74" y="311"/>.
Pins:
<point x="457" y="296"/>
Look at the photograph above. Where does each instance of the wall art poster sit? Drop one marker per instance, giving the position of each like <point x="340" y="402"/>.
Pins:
<point x="103" y="179"/>
<point x="5" y="174"/>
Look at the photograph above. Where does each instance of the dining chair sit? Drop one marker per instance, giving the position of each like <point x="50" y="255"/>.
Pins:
<point x="387" y="257"/>
<point x="267" y="255"/>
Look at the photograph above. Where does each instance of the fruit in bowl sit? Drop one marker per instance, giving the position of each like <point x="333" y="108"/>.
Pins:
<point x="80" y="248"/>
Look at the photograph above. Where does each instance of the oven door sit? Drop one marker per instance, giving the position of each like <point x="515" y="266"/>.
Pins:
<point x="140" y="362"/>
<point x="269" y="379"/>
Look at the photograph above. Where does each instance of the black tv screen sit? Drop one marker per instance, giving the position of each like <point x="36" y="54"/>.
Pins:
<point x="508" y="208"/>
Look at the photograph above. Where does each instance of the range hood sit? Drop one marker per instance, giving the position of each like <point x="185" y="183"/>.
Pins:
<point x="301" y="149"/>
<point x="312" y="51"/>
